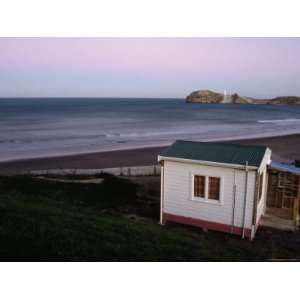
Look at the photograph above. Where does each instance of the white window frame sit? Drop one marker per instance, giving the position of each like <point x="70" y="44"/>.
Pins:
<point x="206" y="186"/>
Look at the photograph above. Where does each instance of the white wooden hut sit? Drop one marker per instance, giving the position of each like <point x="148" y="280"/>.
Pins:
<point x="215" y="186"/>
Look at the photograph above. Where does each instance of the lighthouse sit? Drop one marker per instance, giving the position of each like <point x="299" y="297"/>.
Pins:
<point x="226" y="98"/>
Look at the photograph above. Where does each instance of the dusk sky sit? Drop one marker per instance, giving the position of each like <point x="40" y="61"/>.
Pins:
<point x="148" y="67"/>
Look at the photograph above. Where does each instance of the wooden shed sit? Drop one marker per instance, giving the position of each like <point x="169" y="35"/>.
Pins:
<point x="217" y="186"/>
<point x="283" y="196"/>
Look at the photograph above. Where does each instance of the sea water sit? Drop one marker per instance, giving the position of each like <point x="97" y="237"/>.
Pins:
<point x="57" y="126"/>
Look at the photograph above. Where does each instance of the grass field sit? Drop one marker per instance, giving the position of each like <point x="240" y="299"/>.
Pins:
<point x="116" y="220"/>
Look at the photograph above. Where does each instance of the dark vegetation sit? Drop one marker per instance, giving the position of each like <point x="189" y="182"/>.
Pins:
<point x="113" y="221"/>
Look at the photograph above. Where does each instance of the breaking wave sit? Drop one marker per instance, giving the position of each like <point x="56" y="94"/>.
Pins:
<point x="280" y="121"/>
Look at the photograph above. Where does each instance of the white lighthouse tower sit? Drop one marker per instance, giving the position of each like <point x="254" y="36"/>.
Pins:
<point x="226" y="98"/>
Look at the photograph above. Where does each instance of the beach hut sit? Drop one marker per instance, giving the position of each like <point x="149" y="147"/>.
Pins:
<point x="216" y="186"/>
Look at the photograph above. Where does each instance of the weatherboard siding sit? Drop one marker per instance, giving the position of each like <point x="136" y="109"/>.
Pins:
<point x="261" y="206"/>
<point x="178" y="193"/>
<point x="262" y="202"/>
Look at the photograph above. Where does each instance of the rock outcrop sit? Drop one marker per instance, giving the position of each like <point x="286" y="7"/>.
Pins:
<point x="207" y="96"/>
<point x="285" y="100"/>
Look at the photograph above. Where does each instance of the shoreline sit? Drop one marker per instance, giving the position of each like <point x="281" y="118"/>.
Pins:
<point x="154" y="145"/>
<point x="284" y="147"/>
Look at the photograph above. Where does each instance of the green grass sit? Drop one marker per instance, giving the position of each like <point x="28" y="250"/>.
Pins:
<point x="53" y="221"/>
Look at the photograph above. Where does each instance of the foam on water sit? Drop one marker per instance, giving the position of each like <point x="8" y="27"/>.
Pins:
<point x="282" y="121"/>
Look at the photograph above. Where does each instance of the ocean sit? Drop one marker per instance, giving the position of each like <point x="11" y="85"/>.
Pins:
<point x="43" y="127"/>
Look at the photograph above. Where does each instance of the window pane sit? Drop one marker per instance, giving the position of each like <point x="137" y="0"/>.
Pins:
<point x="214" y="188"/>
<point x="199" y="186"/>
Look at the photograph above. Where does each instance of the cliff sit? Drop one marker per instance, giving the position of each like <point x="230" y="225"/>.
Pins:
<point x="207" y="96"/>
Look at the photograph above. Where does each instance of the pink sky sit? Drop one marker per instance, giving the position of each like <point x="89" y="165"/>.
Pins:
<point x="162" y="67"/>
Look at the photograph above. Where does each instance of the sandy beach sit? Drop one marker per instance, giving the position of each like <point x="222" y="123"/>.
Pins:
<point x="285" y="149"/>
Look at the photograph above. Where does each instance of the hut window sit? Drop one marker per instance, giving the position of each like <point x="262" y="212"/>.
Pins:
<point x="199" y="186"/>
<point x="214" y="188"/>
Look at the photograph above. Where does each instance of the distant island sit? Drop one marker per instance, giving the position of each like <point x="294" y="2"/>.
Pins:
<point x="207" y="96"/>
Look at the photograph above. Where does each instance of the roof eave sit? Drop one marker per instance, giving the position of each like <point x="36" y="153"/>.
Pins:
<point x="206" y="163"/>
<point x="269" y="153"/>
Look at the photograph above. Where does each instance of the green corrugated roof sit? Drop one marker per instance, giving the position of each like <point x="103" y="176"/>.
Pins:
<point x="217" y="152"/>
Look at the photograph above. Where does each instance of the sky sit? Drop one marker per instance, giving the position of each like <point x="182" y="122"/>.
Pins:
<point x="148" y="67"/>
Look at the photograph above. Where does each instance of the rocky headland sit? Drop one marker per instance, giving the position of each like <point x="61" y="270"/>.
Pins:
<point x="207" y="96"/>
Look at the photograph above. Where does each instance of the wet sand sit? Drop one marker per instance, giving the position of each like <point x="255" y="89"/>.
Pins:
<point x="285" y="149"/>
